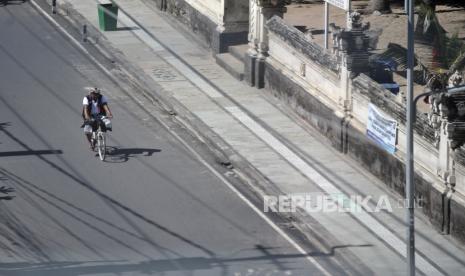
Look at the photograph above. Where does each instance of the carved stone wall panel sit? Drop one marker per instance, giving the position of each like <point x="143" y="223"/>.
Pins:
<point x="299" y="42"/>
<point x="253" y="24"/>
<point x="315" y="77"/>
<point x="206" y="19"/>
<point x="212" y="9"/>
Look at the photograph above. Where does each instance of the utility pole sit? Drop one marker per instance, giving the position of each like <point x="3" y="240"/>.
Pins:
<point x="411" y="114"/>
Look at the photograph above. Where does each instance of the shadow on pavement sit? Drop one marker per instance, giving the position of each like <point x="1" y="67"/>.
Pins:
<point x="6" y="190"/>
<point x="4" y="125"/>
<point x="29" y="152"/>
<point x="152" y="266"/>
<point x="45" y="266"/>
<point x="120" y="155"/>
<point x="127" y="28"/>
<point x="9" y="2"/>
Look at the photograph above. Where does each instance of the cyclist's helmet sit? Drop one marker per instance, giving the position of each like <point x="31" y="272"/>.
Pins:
<point x="94" y="90"/>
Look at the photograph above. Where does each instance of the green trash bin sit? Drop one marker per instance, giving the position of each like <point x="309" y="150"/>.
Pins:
<point x="107" y="16"/>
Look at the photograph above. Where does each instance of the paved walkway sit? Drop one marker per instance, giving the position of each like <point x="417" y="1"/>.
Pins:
<point x="286" y="151"/>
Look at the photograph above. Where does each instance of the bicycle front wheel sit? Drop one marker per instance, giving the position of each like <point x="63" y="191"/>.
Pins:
<point x="101" y="145"/>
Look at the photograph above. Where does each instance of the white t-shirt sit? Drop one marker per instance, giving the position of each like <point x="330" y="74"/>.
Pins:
<point x="95" y="109"/>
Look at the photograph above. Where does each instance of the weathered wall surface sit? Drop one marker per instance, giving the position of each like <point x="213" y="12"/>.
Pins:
<point x="391" y="168"/>
<point x="212" y="9"/>
<point x="322" y="116"/>
<point x="457" y="203"/>
<point x="457" y="216"/>
<point x="311" y="81"/>
<point x="220" y="23"/>
<point x="237" y="11"/>
<point x="297" y="76"/>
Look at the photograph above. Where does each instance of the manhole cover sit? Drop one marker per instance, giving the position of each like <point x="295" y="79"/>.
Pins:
<point x="166" y="74"/>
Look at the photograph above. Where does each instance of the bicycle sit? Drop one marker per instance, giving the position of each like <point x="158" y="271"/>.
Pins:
<point x="98" y="138"/>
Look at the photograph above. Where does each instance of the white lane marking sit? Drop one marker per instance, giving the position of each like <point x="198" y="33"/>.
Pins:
<point x="365" y="218"/>
<point x="204" y="162"/>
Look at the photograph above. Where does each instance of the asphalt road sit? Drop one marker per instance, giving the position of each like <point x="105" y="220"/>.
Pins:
<point x="153" y="208"/>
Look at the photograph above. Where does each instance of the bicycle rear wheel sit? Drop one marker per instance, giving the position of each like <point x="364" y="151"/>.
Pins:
<point x="101" y="145"/>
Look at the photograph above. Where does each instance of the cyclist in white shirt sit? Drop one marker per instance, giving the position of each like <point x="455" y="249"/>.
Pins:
<point x="95" y="105"/>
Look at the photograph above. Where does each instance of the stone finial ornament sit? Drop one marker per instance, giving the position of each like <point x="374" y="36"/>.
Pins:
<point x="355" y="20"/>
<point x="351" y="45"/>
<point x="437" y="82"/>
<point x="447" y="110"/>
<point x="456" y="79"/>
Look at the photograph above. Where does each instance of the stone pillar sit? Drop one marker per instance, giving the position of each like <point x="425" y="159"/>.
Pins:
<point x="447" y="117"/>
<point x="260" y="12"/>
<point x="233" y="26"/>
<point x="351" y="47"/>
<point x="443" y="166"/>
<point x="345" y="91"/>
<point x="249" y="67"/>
<point x="163" y="5"/>
<point x="357" y="44"/>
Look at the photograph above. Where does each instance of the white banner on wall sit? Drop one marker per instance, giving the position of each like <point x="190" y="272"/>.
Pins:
<point x="343" y="4"/>
<point x="382" y="129"/>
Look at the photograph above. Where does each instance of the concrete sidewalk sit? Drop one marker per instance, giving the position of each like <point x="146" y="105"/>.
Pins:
<point x="285" y="150"/>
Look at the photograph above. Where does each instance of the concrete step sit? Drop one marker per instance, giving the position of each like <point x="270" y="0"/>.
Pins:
<point x="233" y="65"/>
<point x="239" y="51"/>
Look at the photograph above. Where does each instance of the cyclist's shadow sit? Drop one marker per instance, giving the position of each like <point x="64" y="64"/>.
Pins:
<point x="121" y="155"/>
<point x="9" y="2"/>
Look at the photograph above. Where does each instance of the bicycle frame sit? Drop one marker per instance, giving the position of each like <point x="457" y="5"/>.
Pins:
<point x="98" y="137"/>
